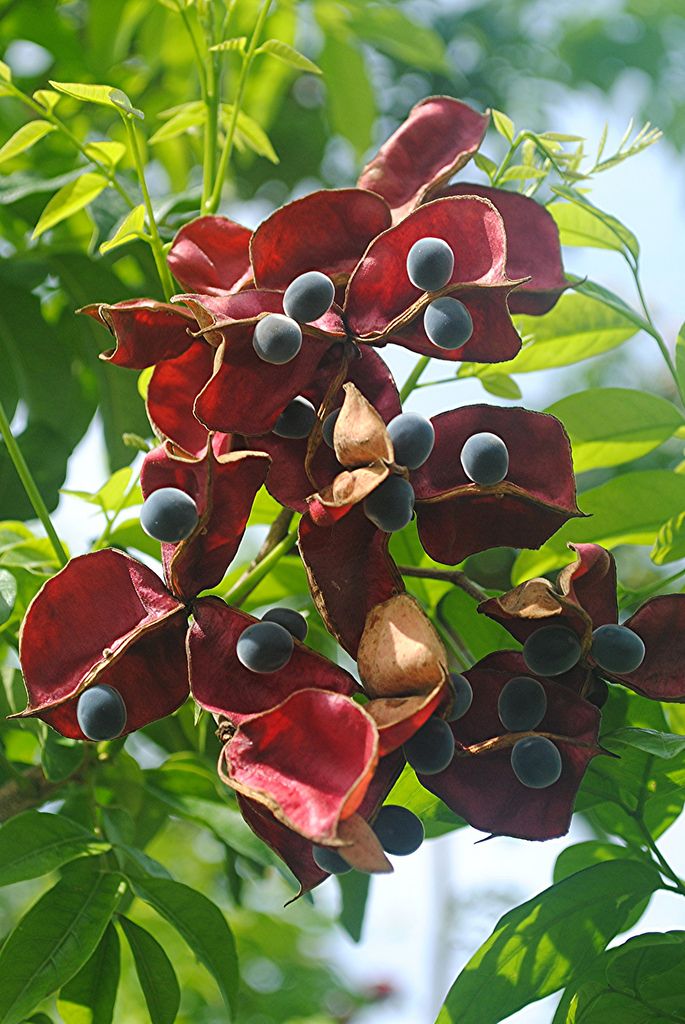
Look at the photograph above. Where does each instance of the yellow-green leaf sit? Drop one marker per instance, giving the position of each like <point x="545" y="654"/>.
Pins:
<point x="582" y="224"/>
<point x="144" y="380"/>
<point x="131" y="227"/>
<point x="5" y="72"/>
<point x="238" y="43"/>
<point x="680" y="357"/>
<point x="289" y="55"/>
<point x="256" y="138"/>
<point x="109" y="153"/>
<point x="69" y="200"/>
<point x="24" y="138"/>
<point x="669" y="545"/>
<point x="47" y="98"/>
<point x="503" y="124"/>
<point x="104" y="95"/>
<point x="190" y="115"/>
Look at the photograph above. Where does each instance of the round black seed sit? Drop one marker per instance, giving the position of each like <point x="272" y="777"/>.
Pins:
<point x="617" y="649"/>
<point x="399" y="830"/>
<point x="328" y="860"/>
<point x="448" y="323"/>
<point x="308" y="297"/>
<point x="463" y="697"/>
<point x="551" y="650"/>
<point x="297" y="419"/>
<point x="431" y="749"/>
<point x="522" y="704"/>
<point x="169" y="515"/>
<point x="485" y="459"/>
<point x="101" y="713"/>
<point x="291" y="620"/>
<point x="412" y="438"/>
<point x="264" y="647"/>
<point x="430" y="264"/>
<point x="277" y="339"/>
<point x="390" y="506"/>
<point x="536" y="762"/>
<point x="328" y="427"/>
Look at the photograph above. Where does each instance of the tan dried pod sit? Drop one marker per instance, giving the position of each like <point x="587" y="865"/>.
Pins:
<point x="360" y="437"/>
<point x="400" y="653"/>
<point x="534" y="599"/>
<point x="362" y="849"/>
<point x="350" y="488"/>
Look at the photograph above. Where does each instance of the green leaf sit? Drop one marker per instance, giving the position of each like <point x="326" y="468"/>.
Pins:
<point x="201" y="924"/>
<point x="69" y="200"/>
<point x="354" y="889"/>
<point x="47" y="98"/>
<point x="115" y="494"/>
<point x="522" y="172"/>
<point x="627" y="509"/>
<point x="238" y="43"/>
<point x="503" y="124"/>
<point x="351" y="99"/>
<point x="500" y="384"/>
<point x="254" y="136"/>
<point x="55" y="938"/>
<point x="484" y="163"/>
<point x="8" y="595"/>
<point x="34" y="843"/>
<point x="581" y="223"/>
<point x="577" y="328"/>
<point x="536" y="948"/>
<point x="610" y="299"/>
<point x="680" y="357"/>
<point x="24" y="138"/>
<point x="109" y="153"/>
<point x="183" y="118"/>
<point x="288" y="54"/>
<point x="580" y="856"/>
<point x="5" y="72"/>
<point x="669" y="545"/>
<point x="60" y="756"/>
<point x="662" y="744"/>
<point x="409" y="40"/>
<point x="155" y="973"/>
<point x="131" y="227"/>
<point x="610" y="426"/>
<point x="90" y="995"/>
<point x="104" y="95"/>
<point x="640" y="982"/>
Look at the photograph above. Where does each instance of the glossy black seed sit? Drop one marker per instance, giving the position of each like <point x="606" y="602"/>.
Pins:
<point x="297" y="419"/>
<point x="308" y="297"/>
<point x="463" y="697"/>
<point x="551" y="650"/>
<point x="277" y="339"/>
<point x="328" y="860"/>
<point x="412" y="438"/>
<point x="431" y="749"/>
<point x="264" y="647"/>
<point x="291" y="620"/>
<point x="599" y="693"/>
<point x="485" y="459"/>
<point x="328" y="426"/>
<point x="536" y="762"/>
<point x="101" y="713"/>
<point x="448" y="323"/>
<point x="399" y="830"/>
<point x="169" y="515"/>
<point x="617" y="649"/>
<point x="522" y="704"/>
<point x="430" y="264"/>
<point x="391" y="505"/>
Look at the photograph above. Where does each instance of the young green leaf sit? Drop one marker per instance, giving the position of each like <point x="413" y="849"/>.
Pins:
<point x="56" y="938"/>
<point x="155" y="972"/>
<point x="289" y="55"/>
<point x="5" y="72"/>
<point x="69" y="200"/>
<point x="437" y="818"/>
<point x="238" y="44"/>
<point x="131" y="227"/>
<point x="580" y="856"/>
<point x="503" y="124"/>
<point x="104" y="95"/>
<point x="34" y="843"/>
<point x="484" y="163"/>
<point x="627" y="509"/>
<point x="500" y="384"/>
<point x="8" y="594"/>
<point x="47" y="98"/>
<point x="680" y="357"/>
<point x="24" y="138"/>
<point x="90" y="995"/>
<point x="201" y="924"/>
<point x="610" y="299"/>
<point x="181" y="120"/>
<point x="537" y="948"/>
<point x="60" y="757"/>
<point x="351" y="98"/>
<point x="252" y="133"/>
<point x="610" y="426"/>
<point x="662" y="744"/>
<point x="522" y="172"/>
<point x="669" y="544"/>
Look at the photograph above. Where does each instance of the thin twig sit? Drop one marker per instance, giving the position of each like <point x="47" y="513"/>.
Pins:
<point x="454" y="576"/>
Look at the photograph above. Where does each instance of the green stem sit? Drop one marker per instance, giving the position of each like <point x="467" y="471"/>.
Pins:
<point x="196" y="50"/>
<point x="211" y="128"/>
<point x="654" y="330"/>
<point x="104" y="537"/>
<point x="32" y="492"/>
<point x="664" y="866"/>
<point x="215" y="198"/>
<point x="47" y="115"/>
<point x="413" y="378"/>
<point x="454" y="576"/>
<point x="156" y="242"/>
<point x="244" y="587"/>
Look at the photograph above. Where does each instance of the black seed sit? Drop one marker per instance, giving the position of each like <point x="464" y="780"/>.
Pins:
<point x="430" y="264"/>
<point x="101" y="713"/>
<point x="296" y="420"/>
<point x="169" y="515"/>
<point x="431" y="749"/>
<point x="536" y="762"/>
<point x="277" y="339"/>
<point x="291" y="620"/>
<point x="522" y="704"/>
<point x="412" y="438"/>
<point x="308" y="297"/>
<point x="264" y="647"/>
<point x="485" y="459"/>
<point x="617" y="649"/>
<point x="399" y="830"/>
<point x="448" y="323"/>
<point x="390" y="506"/>
<point x="551" y="650"/>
